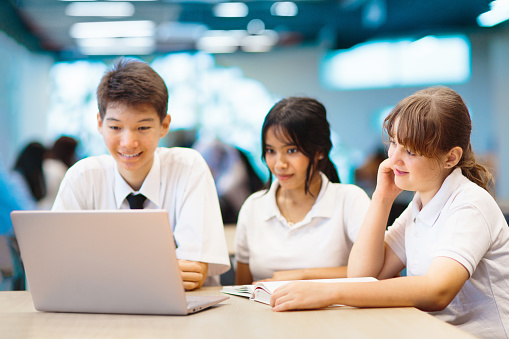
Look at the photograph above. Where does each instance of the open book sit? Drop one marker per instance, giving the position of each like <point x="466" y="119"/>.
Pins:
<point x="261" y="291"/>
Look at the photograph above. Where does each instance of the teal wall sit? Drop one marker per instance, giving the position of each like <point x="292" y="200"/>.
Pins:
<point x="24" y="96"/>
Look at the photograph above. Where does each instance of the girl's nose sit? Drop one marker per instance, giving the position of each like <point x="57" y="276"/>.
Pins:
<point x="281" y="161"/>
<point x="395" y="156"/>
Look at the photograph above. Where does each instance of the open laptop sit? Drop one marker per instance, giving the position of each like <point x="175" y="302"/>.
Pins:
<point x="120" y="261"/>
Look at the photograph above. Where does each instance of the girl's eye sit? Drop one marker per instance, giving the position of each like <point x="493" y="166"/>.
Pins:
<point x="269" y="151"/>
<point x="410" y="153"/>
<point x="115" y="128"/>
<point x="293" y="150"/>
<point x="144" y="128"/>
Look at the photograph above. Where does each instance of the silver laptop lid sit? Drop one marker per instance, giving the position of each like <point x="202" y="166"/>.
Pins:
<point x="118" y="261"/>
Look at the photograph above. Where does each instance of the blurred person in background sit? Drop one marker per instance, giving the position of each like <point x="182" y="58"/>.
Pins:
<point x="12" y="197"/>
<point x="28" y="174"/>
<point x="57" y="161"/>
<point x="233" y="174"/>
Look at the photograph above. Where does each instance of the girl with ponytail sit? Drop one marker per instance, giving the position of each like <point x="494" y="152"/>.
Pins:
<point x="304" y="224"/>
<point x="452" y="239"/>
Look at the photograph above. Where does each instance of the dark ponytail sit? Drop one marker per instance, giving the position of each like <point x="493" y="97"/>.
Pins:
<point x="329" y="169"/>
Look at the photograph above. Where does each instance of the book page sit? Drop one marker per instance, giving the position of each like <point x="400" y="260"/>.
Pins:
<point x="239" y="290"/>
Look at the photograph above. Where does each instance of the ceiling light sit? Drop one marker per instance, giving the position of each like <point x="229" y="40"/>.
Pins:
<point x="259" y="43"/>
<point x="117" y="46"/>
<point x="179" y="31"/>
<point x="102" y="9"/>
<point x="498" y="13"/>
<point x="108" y="0"/>
<point x="112" y="29"/>
<point x="220" y="41"/>
<point x="284" y="8"/>
<point x="255" y="26"/>
<point x="231" y="10"/>
<point x="105" y="42"/>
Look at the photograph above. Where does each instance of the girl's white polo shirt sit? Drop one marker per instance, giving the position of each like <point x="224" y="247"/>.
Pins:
<point x="462" y="222"/>
<point x="324" y="238"/>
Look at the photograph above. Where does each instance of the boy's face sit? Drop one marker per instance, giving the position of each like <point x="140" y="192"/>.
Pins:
<point x="131" y="134"/>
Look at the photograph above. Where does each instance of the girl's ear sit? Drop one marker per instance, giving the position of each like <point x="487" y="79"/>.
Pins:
<point x="453" y="157"/>
<point x="319" y="156"/>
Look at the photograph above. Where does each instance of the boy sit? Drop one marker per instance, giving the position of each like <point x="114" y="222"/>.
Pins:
<point x="133" y="104"/>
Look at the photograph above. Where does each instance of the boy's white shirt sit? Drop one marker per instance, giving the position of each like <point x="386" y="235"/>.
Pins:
<point x="179" y="181"/>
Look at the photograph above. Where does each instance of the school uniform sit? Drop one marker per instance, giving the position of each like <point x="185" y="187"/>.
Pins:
<point x="464" y="223"/>
<point x="324" y="238"/>
<point x="179" y="181"/>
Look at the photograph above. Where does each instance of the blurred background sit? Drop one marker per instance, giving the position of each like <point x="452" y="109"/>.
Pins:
<point x="226" y="63"/>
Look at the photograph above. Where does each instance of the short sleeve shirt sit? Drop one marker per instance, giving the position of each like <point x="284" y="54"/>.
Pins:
<point x="462" y="222"/>
<point x="179" y="181"/>
<point x="324" y="238"/>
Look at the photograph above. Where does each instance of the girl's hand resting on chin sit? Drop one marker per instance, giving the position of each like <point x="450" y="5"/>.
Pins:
<point x="386" y="187"/>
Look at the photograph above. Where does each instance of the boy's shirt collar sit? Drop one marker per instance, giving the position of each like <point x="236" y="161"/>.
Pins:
<point x="149" y="188"/>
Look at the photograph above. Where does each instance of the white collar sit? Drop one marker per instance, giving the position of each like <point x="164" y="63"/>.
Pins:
<point x="430" y="213"/>
<point x="325" y="209"/>
<point x="150" y="187"/>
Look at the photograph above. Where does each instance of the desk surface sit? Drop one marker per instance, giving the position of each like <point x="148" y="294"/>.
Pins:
<point x="235" y="318"/>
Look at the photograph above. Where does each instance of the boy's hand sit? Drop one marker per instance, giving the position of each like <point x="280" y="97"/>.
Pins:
<point x="193" y="273"/>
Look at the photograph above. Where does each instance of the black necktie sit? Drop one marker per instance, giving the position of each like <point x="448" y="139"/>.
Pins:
<point x="136" y="201"/>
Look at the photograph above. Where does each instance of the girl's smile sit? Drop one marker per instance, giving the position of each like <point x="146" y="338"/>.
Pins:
<point x="399" y="173"/>
<point x="284" y="177"/>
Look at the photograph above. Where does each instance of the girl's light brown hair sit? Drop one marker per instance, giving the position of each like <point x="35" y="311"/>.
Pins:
<point x="431" y="122"/>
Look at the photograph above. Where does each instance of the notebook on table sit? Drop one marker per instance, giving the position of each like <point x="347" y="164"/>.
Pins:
<point x="120" y="261"/>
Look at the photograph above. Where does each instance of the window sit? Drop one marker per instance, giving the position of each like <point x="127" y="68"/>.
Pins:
<point x="383" y="64"/>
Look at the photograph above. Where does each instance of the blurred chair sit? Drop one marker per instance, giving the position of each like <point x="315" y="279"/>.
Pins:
<point x="6" y="261"/>
<point x="228" y="278"/>
<point x="12" y="273"/>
